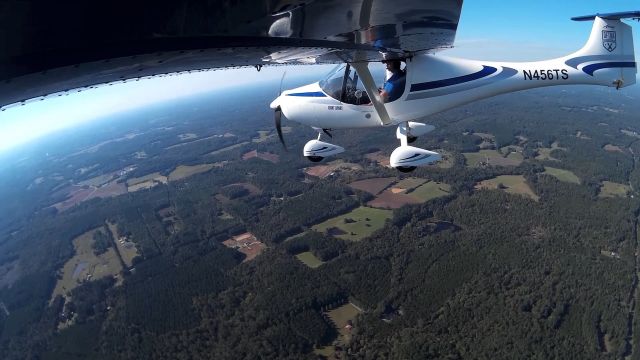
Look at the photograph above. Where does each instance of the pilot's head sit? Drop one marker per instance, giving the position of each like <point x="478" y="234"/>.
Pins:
<point x="392" y="65"/>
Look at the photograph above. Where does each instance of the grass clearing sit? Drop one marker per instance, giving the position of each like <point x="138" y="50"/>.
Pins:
<point x="225" y="149"/>
<point x="612" y="148"/>
<point x="513" y="184"/>
<point x="562" y="175"/>
<point x="409" y="183"/>
<point x="447" y="161"/>
<point x="85" y="265"/>
<point x="491" y="157"/>
<point x="515" y="156"/>
<point x="263" y="135"/>
<point x="612" y="189"/>
<point x="373" y="186"/>
<point x="146" y="182"/>
<point x="430" y="190"/>
<point x="630" y="133"/>
<point x="126" y="248"/>
<point x="98" y="180"/>
<point x="354" y="225"/>
<point x="341" y="316"/>
<point x="545" y="153"/>
<point x="309" y="259"/>
<point x="184" y="171"/>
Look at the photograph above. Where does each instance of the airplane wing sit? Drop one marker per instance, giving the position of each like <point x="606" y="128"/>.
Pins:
<point x="51" y="48"/>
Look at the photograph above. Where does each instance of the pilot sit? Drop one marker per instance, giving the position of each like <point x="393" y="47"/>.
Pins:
<point x="394" y="86"/>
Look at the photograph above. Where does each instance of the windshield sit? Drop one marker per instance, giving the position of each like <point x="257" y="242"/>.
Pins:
<point x="332" y="83"/>
<point x="343" y="83"/>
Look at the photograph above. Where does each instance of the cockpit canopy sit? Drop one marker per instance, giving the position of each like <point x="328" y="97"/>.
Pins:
<point x="344" y="84"/>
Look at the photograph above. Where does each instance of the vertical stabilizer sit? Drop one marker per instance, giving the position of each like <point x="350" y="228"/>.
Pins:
<point x="608" y="55"/>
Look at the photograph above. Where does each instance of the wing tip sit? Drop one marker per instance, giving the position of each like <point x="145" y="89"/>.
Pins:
<point x="610" y="16"/>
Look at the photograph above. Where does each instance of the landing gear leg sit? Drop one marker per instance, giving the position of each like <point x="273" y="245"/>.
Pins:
<point x="406" y="158"/>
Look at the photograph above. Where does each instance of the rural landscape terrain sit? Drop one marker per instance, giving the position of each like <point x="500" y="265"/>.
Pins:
<point x="185" y="231"/>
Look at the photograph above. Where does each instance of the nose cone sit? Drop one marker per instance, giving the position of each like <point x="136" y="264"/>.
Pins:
<point x="275" y="103"/>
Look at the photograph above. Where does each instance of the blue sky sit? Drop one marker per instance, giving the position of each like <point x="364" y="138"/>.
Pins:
<point x="489" y="30"/>
<point x="530" y="30"/>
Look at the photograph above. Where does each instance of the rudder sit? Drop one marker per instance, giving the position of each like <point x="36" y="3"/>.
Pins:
<point x="608" y="55"/>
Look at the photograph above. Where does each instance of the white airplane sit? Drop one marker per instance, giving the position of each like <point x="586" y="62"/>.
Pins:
<point x="349" y="97"/>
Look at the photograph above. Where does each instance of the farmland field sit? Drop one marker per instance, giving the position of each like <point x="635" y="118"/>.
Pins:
<point x="309" y="259"/>
<point x="127" y="249"/>
<point x="447" y="159"/>
<point x="430" y="190"/>
<point x="341" y="315"/>
<point x="409" y="183"/>
<point x="545" y="153"/>
<point x="354" y="225"/>
<point x="323" y="171"/>
<point x="85" y="265"/>
<point x="390" y="200"/>
<point x="492" y="157"/>
<point x="612" y="148"/>
<point x="184" y="171"/>
<point x="373" y="186"/>
<point x="513" y="184"/>
<point x="562" y="175"/>
<point x="611" y="189"/>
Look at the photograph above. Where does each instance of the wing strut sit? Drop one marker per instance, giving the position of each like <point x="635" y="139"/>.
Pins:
<point x="372" y="90"/>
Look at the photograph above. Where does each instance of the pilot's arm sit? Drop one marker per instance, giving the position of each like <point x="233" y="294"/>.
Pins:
<point x="385" y="91"/>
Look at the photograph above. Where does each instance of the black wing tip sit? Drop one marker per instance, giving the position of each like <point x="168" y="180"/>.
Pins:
<point x="610" y="16"/>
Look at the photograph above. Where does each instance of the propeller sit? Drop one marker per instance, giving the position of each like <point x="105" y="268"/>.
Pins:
<point x="278" y="116"/>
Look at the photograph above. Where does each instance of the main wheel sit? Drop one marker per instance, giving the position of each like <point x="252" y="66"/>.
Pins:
<point x="406" y="169"/>
<point x="315" y="158"/>
<point x="411" y="139"/>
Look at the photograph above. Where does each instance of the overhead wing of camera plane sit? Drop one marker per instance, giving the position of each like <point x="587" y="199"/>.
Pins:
<point x="54" y="48"/>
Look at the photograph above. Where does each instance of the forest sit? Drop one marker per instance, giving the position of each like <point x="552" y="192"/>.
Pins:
<point x="552" y="277"/>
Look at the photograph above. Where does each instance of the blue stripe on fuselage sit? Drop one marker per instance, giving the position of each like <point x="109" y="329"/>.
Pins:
<point x="590" y="69"/>
<point x="486" y="71"/>
<point x="308" y="94"/>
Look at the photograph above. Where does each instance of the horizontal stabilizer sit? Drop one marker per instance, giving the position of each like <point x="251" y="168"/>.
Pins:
<point x="610" y="16"/>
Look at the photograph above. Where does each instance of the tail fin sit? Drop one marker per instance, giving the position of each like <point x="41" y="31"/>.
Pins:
<point x="608" y="54"/>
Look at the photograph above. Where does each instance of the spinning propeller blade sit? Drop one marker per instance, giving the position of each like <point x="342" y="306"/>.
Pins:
<point x="281" y="81"/>
<point x="278" y="118"/>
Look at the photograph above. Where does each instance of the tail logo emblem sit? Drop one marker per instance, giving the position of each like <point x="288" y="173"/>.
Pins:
<point x="609" y="40"/>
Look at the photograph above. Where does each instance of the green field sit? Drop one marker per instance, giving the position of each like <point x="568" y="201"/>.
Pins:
<point x="409" y="183"/>
<point x="85" y="265"/>
<point x="360" y="227"/>
<point x="493" y="158"/>
<point x="263" y="135"/>
<point x="513" y="184"/>
<point x="340" y="316"/>
<point x="309" y="259"/>
<point x="545" y="153"/>
<point x="562" y="175"/>
<point x="184" y="171"/>
<point x="611" y="189"/>
<point x="447" y="159"/>
<point x="515" y="156"/>
<point x="430" y="190"/>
